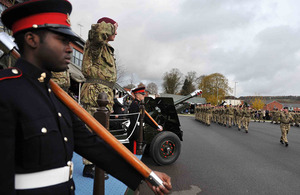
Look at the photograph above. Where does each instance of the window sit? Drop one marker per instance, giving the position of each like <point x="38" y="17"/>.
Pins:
<point x="2" y="28"/>
<point x="77" y="58"/>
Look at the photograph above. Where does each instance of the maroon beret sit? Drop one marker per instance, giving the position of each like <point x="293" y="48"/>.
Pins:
<point x="106" y="20"/>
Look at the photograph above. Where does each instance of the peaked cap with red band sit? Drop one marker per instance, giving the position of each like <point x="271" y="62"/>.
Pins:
<point x="140" y="90"/>
<point x="36" y="14"/>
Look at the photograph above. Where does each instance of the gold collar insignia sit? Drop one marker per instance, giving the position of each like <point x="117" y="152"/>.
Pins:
<point x="43" y="76"/>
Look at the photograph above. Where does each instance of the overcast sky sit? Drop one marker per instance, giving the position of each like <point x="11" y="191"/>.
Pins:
<point x="255" y="44"/>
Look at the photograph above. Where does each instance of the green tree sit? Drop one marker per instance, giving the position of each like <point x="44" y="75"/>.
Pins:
<point x="214" y="88"/>
<point x="188" y="85"/>
<point x="171" y="81"/>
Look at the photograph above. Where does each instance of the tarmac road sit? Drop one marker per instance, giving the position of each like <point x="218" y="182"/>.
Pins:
<point x="217" y="160"/>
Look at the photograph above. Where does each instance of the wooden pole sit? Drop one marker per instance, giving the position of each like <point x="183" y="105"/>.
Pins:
<point x="100" y="130"/>
<point x="102" y="115"/>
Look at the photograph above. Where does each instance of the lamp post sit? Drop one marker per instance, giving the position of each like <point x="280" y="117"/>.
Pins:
<point x="80" y="26"/>
<point x="235" y="88"/>
<point x="217" y="96"/>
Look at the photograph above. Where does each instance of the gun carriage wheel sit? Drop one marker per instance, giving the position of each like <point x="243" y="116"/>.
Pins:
<point x="165" y="148"/>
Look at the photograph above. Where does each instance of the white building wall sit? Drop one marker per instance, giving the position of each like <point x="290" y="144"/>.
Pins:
<point x="232" y="102"/>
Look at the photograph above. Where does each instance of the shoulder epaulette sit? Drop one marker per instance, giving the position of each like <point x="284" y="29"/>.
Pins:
<point x="10" y="73"/>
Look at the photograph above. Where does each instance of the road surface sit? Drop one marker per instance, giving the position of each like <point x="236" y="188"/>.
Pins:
<point x="217" y="160"/>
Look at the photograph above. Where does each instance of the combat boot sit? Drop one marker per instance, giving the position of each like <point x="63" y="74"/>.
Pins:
<point x="281" y="141"/>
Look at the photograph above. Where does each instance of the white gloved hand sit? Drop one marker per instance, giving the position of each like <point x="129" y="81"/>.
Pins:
<point x="160" y="128"/>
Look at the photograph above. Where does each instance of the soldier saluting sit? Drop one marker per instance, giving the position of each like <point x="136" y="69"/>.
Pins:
<point x="99" y="68"/>
<point x="38" y="133"/>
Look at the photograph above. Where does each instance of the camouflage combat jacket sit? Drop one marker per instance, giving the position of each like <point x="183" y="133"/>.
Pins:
<point x="246" y="113"/>
<point x="230" y="111"/>
<point x="98" y="66"/>
<point x="285" y="118"/>
<point x="62" y="79"/>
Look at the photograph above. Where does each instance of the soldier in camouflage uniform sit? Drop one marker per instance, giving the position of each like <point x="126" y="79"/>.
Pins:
<point x="246" y="118"/>
<point x="230" y="113"/>
<point x="99" y="68"/>
<point x="217" y="113"/>
<point x="224" y="116"/>
<point x="239" y="117"/>
<point x="285" y="118"/>
<point x="98" y="65"/>
<point x="272" y="113"/>
<point x="214" y="114"/>
<point x="277" y="116"/>
<point x="296" y="118"/>
<point x="62" y="79"/>
<point x="261" y="115"/>
<point x="292" y="121"/>
<point x="221" y="109"/>
<point x="208" y="114"/>
<point x="234" y="116"/>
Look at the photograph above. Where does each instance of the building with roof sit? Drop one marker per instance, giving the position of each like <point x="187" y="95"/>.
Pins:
<point x="277" y="104"/>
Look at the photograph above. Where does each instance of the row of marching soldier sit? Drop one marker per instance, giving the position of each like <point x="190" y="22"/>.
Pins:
<point x="223" y="115"/>
<point x="240" y="116"/>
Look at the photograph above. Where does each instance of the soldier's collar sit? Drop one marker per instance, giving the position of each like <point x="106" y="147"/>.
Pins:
<point x="33" y="71"/>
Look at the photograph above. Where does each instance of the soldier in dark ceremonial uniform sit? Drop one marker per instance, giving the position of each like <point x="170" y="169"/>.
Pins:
<point x="139" y="94"/>
<point x="38" y="133"/>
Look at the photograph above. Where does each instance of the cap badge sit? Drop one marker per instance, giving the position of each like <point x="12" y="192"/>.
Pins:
<point x="68" y="19"/>
<point x="43" y="76"/>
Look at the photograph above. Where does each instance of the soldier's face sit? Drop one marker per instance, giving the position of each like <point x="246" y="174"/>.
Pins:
<point x="54" y="52"/>
<point x="112" y="37"/>
<point x="139" y="96"/>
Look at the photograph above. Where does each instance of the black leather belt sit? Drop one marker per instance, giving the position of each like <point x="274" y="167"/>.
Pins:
<point x="100" y="81"/>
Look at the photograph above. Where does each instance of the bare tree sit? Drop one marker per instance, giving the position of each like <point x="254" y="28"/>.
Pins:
<point x="172" y="81"/>
<point x="131" y="81"/>
<point x="141" y="85"/>
<point x="199" y="79"/>
<point x="129" y="86"/>
<point x="120" y="69"/>
<point x="152" y="88"/>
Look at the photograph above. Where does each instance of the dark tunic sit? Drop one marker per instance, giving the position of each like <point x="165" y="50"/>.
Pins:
<point x="135" y="108"/>
<point x="38" y="132"/>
